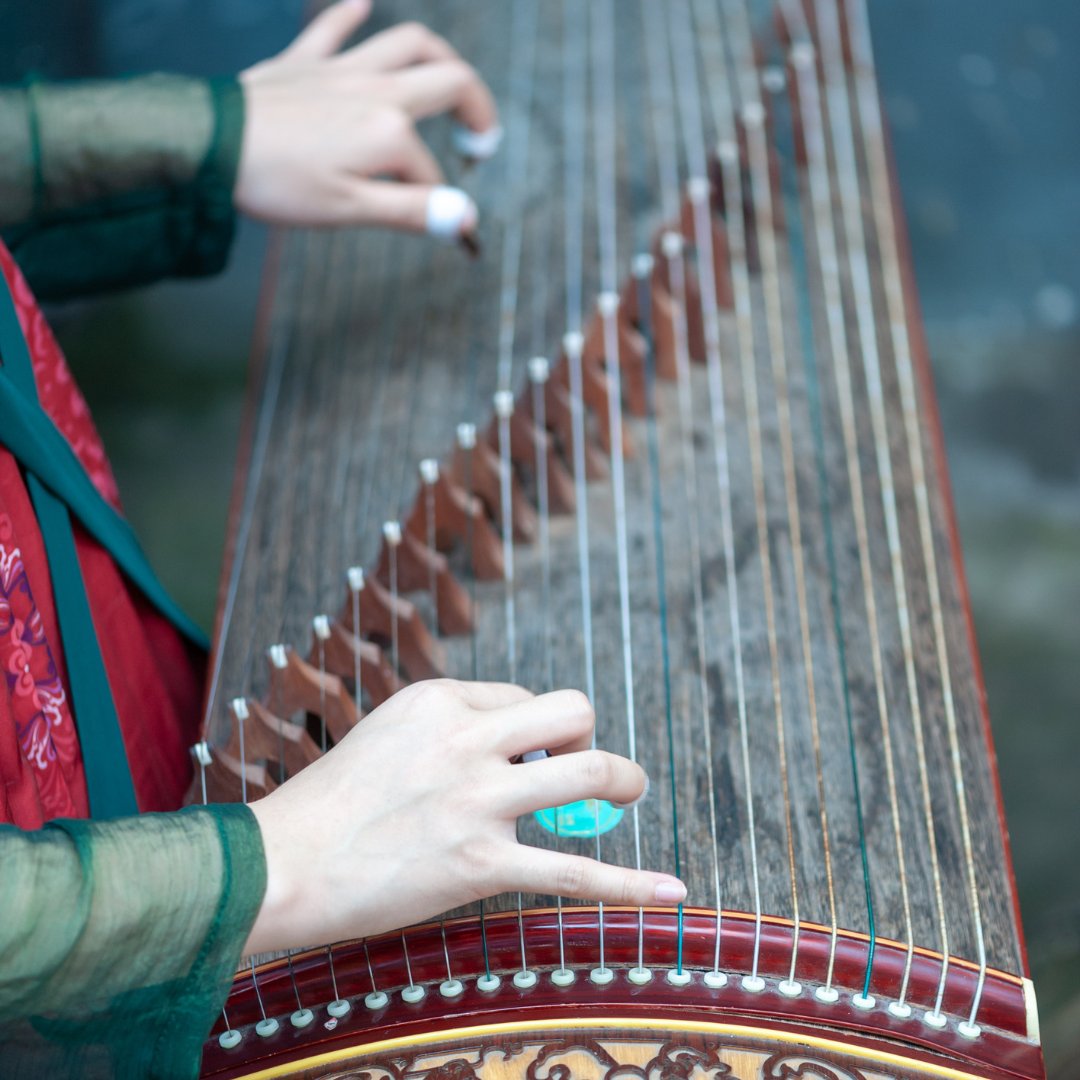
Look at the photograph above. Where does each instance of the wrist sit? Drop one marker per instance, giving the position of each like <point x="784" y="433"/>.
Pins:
<point x="275" y="924"/>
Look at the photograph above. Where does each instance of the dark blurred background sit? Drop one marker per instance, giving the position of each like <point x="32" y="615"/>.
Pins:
<point x="983" y="98"/>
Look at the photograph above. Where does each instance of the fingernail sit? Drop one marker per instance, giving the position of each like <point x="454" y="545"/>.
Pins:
<point x="639" y="799"/>
<point x="670" y="892"/>
<point x="450" y="214"/>
<point x="477" y="145"/>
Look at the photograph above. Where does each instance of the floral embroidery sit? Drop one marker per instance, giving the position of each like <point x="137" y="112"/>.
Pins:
<point x="43" y="725"/>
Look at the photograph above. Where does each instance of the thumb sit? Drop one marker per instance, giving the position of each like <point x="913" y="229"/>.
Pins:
<point x="329" y="30"/>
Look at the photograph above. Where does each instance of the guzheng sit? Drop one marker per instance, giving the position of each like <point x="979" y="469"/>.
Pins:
<point x="672" y="440"/>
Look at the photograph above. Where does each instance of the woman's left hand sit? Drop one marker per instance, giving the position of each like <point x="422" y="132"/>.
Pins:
<point x="330" y="137"/>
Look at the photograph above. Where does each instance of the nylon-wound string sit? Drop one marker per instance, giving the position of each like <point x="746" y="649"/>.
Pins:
<point x="862" y="288"/>
<point x="727" y="151"/>
<point x="642" y="274"/>
<point x="765" y="224"/>
<point x="753" y="119"/>
<point x="672" y="243"/>
<point x="746" y="348"/>
<point x="781" y="118"/>
<point x="733" y="196"/>
<point x="661" y="111"/>
<point x="522" y="62"/>
<point x="574" y="105"/>
<point x="522" y="55"/>
<point x="866" y="94"/>
<point x="275" y="367"/>
<point x="603" y="71"/>
<point x="821" y="196"/>
<point x="574" y="142"/>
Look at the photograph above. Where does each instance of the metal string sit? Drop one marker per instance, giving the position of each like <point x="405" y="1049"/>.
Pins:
<point x="765" y="224"/>
<point x="766" y="234"/>
<point x="662" y="112"/>
<point x="281" y="340"/>
<point x="753" y="120"/>
<point x="644" y="301"/>
<point x="343" y="279"/>
<point x="729" y="161"/>
<point x="746" y="347"/>
<point x="782" y="123"/>
<point x="820" y="182"/>
<point x="522" y="62"/>
<point x="881" y="191"/>
<point x="851" y="205"/>
<point x="656" y="33"/>
<point x="574" y="106"/>
<point x="603" y="71"/>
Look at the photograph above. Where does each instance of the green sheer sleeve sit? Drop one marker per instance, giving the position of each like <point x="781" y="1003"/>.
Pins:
<point x="119" y="940"/>
<point x="106" y="184"/>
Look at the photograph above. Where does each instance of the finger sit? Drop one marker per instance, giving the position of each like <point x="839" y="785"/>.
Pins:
<point x="561" y="721"/>
<point x="400" y="46"/>
<point x="567" y="778"/>
<point x="494" y="695"/>
<point x="555" y="873"/>
<point x="401" y="153"/>
<point x="329" y="30"/>
<point x="402" y="206"/>
<point x="442" y="86"/>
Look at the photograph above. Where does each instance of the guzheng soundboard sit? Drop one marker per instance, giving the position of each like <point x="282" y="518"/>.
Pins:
<point x="671" y="440"/>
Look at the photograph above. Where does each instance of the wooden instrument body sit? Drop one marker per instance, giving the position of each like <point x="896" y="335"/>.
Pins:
<point x="375" y="349"/>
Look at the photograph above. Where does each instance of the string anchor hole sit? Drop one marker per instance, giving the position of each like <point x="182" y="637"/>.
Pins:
<point x="715" y="980"/>
<point x="790" y="988"/>
<point x="228" y="1039"/>
<point x="900" y="1009"/>
<point x="451" y="988"/>
<point x="563" y="977"/>
<point x="413" y="993"/>
<point x="601" y="976"/>
<point x="267" y="1027"/>
<point x="525" y="979"/>
<point x="935" y="1020"/>
<point x="754" y="984"/>
<point x="488" y="984"/>
<point x="639" y="976"/>
<point x="301" y="1018"/>
<point x="376" y="1000"/>
<point x="863" y="1001"/>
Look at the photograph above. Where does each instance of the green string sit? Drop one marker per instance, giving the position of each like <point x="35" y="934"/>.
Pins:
<point x="635" y="106"/>
<point x="644" y="303"/>
<point x="798" y="251"/>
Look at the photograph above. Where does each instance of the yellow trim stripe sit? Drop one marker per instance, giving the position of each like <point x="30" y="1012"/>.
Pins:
<point x="878" y="1057"/>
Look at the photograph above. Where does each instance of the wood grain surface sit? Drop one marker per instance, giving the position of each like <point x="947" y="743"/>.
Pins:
<point x="378" y="345"/>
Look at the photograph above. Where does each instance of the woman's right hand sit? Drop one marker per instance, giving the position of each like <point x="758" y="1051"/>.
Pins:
<point x="414" y="814"/>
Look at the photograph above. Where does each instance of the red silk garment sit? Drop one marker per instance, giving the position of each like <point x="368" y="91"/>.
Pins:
<point x="155" y="675"/>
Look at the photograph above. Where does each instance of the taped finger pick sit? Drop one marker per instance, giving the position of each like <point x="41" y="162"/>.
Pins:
<point x="450" y="214"/>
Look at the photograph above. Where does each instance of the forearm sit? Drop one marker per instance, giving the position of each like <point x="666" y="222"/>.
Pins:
<point x="124" y="933"/>
<point x="115" y="183"/>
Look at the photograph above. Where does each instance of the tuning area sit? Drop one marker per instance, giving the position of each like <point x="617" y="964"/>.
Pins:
<point x="672" y="441"/>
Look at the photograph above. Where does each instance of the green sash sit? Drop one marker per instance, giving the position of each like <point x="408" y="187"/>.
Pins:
<point x="59" y="487"/>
